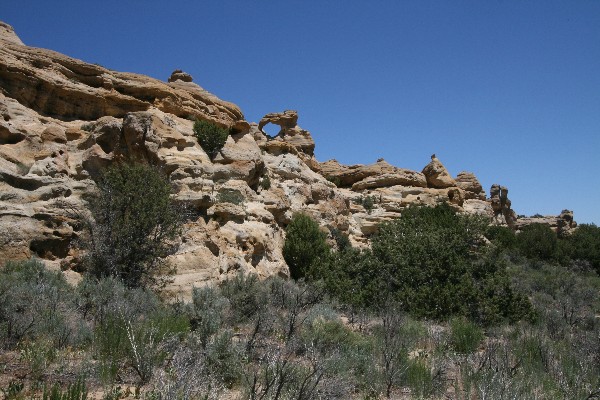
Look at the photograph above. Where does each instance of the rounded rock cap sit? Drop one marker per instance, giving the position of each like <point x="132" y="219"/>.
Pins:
<point x="179" y="75"/>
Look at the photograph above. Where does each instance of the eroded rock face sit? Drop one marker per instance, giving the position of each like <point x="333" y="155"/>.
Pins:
<point x="58" y="86"/>
<point x="7" y="33"/>
<point x="437" y="175"/>
<point x="501" y="206"/>
<point x="179" y="75"/>
<point x="379" y="174"/>
<point x="290" y="132"/>
<point x="64" y="121"/>
<point x="469" y="183"/>
<point x="563" y="224"/>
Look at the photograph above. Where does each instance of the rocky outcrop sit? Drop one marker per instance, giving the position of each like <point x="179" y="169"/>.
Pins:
<point x="470" y="185"/>
<point x="400" y="176"/>
<point x="58" y="86"/>
<point x="437" y="175"/>
<point x="179" y="75"/>
<point x="63" y="121"/>
<point x="563" y="224"/>
<point x="290" y="132"/>
<point x="7" y="34"/>
<point x="501" y="206"/>
<point x="379" y="174"/>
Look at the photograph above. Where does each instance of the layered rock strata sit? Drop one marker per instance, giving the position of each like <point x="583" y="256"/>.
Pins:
<point x="63" y="121"/>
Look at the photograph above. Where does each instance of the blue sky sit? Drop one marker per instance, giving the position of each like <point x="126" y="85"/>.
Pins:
<point x="509" y="90"/>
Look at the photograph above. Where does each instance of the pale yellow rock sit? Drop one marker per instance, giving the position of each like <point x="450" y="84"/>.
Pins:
<point x="63" y="121"/>
<point x="290" y="132"/>
<point x="437" y="175"/>
<point x="469" y="183"/>
<point x="400" y="176"/>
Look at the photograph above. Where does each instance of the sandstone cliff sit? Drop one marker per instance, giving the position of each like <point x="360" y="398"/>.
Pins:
<point x="64" y="120"/>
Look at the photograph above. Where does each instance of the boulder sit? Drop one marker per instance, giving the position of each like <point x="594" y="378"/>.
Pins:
<point x="54" y="133"/>
<point x="347" y="175"/>
<point x="179" y="75"/>
<point x="437" y="175"/>
<point x="400" y="176"/>
<point x="7" y="34"/>
<point x="469" y="183"/>
<point x="224" y="212"/>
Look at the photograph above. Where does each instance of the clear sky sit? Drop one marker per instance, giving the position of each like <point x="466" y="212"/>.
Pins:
<point x="509" y="90"/>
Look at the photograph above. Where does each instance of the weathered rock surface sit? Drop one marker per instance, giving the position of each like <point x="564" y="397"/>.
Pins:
<point x="437" y="175"/>
<point x="563" y="224"/>
<point x="501" y="206"/>
<point x="469" y="183"/>
<point x="400" y="176"/>
<point x="290" y="132"/>
<point x="7" y="34"/>
<point x="361" y="177"/>
<point x="63" y="121"/>
<point x="179" y="75"/>
<point x="58" y="86"/>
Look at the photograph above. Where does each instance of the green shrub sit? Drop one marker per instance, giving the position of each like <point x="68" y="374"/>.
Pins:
<point x="129" y="326"/>
<point x="207" y="312"/>
<point x="429" y="256"/>
<point x="305" y="246"/>
<point x="341" y="239"/>
<point x="334" y="179"/>
<point x="211" y="137"/>
<point x="419" y="379"/>
<point x="502" y="236"/>
<point x="265" y="182"/>
<point x="135" y="225"/>
<point x="465" y="336"/>
<point x="368" y="203"/>
<point x="224" y="358"/>
<point x="35" y="303"/>
<point x="584" y="245"/>
<point x="328" y="336"/>
<point x="14" y="390"/>
<point x="246" y="296"/>
<point x="74" y="391"/>
<point x="230" y="196"/>
<point x="38" y="355"/>
<point x="538" y="241"/>
<point x="353" y="277"/>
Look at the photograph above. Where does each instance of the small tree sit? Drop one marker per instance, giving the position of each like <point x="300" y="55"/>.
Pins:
<point x="211" y="137"/>
<point x="433" y="262"/>
<point x="538" y="241"/>
<point x="304" y="246"/>
<point x="584" y="245"/>
<point x="134" y="227"/>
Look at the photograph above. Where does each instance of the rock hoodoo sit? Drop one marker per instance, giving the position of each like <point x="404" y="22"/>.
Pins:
<point x="503" y="214"/>
<point x="437" y="175"/>
<point x="63" y="121"/>
<point x="179" y="75"/>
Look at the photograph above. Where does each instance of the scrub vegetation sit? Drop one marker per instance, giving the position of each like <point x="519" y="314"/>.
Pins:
<point x="441" y="307"/>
